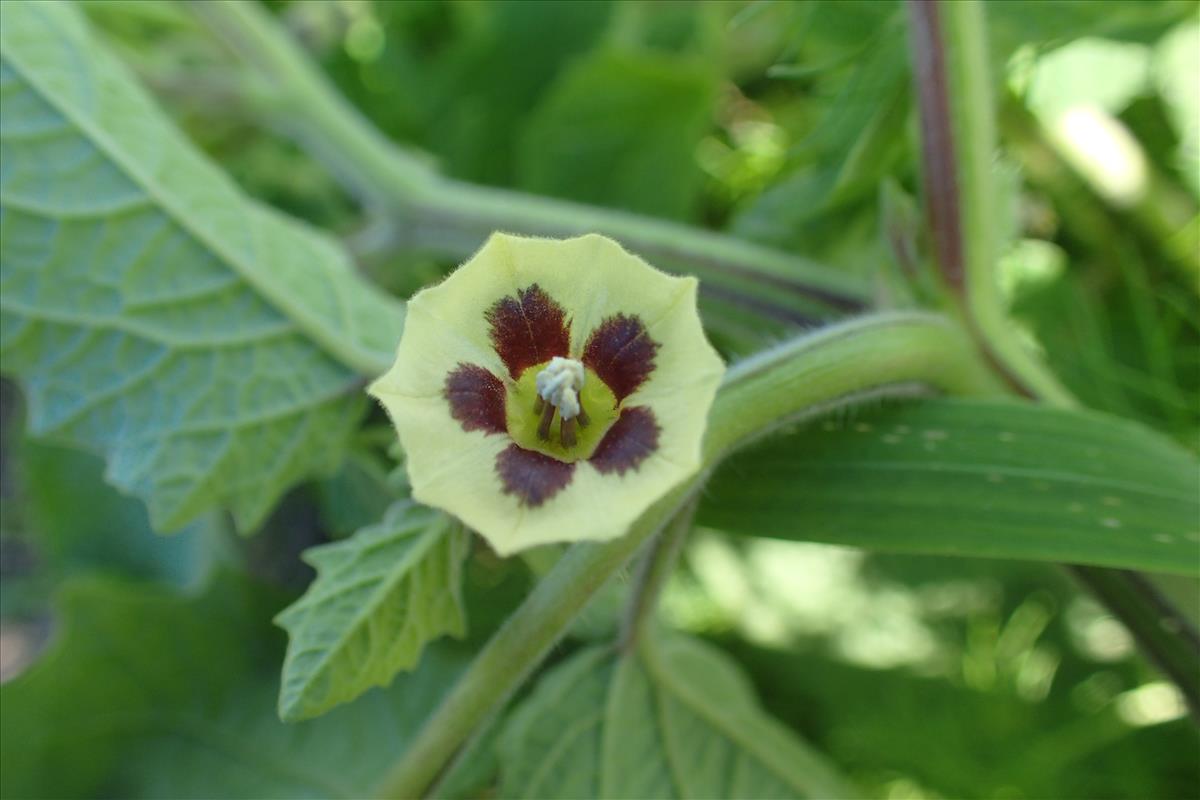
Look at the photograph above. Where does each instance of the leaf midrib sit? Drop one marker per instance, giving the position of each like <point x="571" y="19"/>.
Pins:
<point x="340" y="348"/>
<point x="738" y="735"/>
<point x="426" y="540"/>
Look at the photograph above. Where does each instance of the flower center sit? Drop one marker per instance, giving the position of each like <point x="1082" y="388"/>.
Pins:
<point x="560" y="408"/>
<point x="558" y="385"/>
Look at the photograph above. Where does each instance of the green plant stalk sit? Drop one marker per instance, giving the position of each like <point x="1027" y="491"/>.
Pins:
<point x="784" y="384"/>
<point x="878" y="355"/>
<point x="958" y="133"/>
<point x="950" y="62"/>
<point x="654" y="568"/>
<point x="427" y="213"/>
<point x="329" y="126"/>
<point x="519" y="646"/>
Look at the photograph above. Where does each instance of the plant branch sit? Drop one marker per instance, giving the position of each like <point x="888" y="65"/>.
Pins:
<point x="298" y="98"/>
<point x="880" y="354"/>
<point x="519" y="646"/>
<point x="950" y="62"/>
<point x="429" y="214"/>
<point x="954" y="98"/>
<point x="784" y="384"/>
<point x="654" y="569"/>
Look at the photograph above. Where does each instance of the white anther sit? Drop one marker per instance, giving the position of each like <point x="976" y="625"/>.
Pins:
<point x="559" y="384"/>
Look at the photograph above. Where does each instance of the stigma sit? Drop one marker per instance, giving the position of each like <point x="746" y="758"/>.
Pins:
<point x="558" y="387"/>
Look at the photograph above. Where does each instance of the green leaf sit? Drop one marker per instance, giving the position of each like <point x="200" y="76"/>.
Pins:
<point x="1092" y="73"/>
<point x="500" y="66"/>
<point x="359" y="493"/>
<point x="379" y="597"/>
<point x="149" y="694"/>
<point x="1014" y="23"/>
<point x="850" y="148"/>
<point x="207" y="346"/>
<point x="673" y="719"/>
<point x="973" y="478"/>
<point x="619" y="129"/>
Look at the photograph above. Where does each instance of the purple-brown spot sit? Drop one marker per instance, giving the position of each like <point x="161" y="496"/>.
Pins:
<point x="533" y="477"/>
<point x="528" y="329"/>
<point x="621" y="353"/>
<point x="629" y="442"/>
<point x="476" y="399"/>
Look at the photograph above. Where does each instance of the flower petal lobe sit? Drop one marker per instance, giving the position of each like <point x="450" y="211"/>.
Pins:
<point x="621" y="352"/>
<point x="533" y="477"/>
<point x="476" y="399"/>
<point x="629" y="442"/>
<point x="528" y="329"/>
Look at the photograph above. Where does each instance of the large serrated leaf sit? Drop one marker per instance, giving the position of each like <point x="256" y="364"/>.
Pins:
<point x="379" y="597"/>
<point x="973" y="478"/>
<point x="149" y="694"/>
<point x="675" y="718"/>
<point x="210" y="348"/>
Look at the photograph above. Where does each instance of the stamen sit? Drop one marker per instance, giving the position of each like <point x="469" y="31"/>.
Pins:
<point x="547" y="418"/>
<point x="558" y="388"/>
<point x="582" y="417"/>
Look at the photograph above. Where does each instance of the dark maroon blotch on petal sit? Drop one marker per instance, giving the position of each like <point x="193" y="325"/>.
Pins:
<point x="621" y="352"/>
<point x="533" y="477"/>
<point x="476" y="399"/>
<point x="528" y="329"/>
<point x="629" y="442"/>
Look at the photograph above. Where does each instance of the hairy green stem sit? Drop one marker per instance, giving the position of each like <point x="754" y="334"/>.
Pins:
<point x="950" y="62"/>
<point x="298" y="97"/>
<point x="519" y="646"/>
<point x="954" y="92"/>
<point x="425" y="212"/>
<point x="653" y="570"/>
<point x="875" y="354"/>
<point x="778" y="386"/>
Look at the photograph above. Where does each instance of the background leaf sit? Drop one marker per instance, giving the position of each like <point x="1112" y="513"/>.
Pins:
<point x="210" y="348"/>
<point x="673" y="719"/>
<point x="1046" y="25"/>
<point x="977" y="478"/>
<point x="148" y="694"/>
<point x="620" y="129"/>
<point x="858" y="138"/>
<point x="379" y="597"/>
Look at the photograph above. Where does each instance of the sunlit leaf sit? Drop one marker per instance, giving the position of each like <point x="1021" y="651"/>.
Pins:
<point x="1088" y="72"/>
<point x="973" y="478"/>
<point x="1176" y="73"/>
<point x="208" y="347"/>
<point x="378" y="598"/>
<point x="674" y="718"/>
